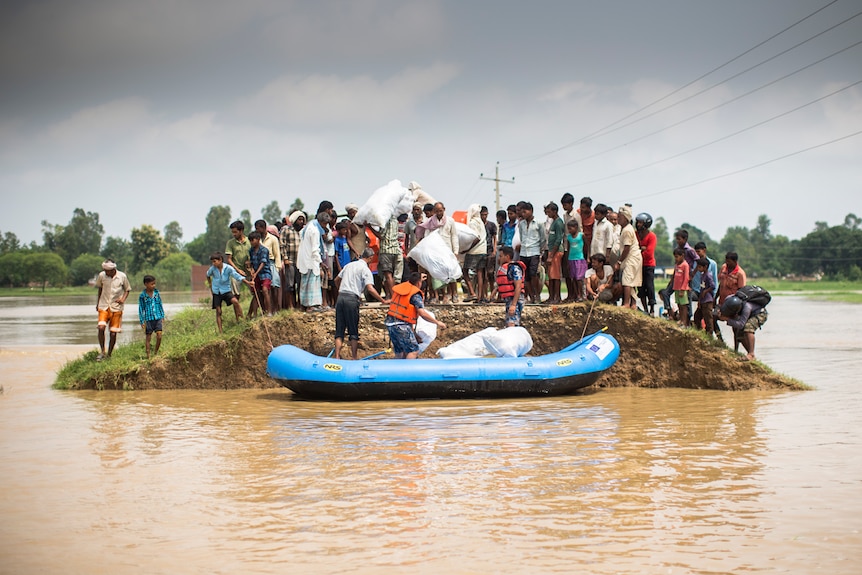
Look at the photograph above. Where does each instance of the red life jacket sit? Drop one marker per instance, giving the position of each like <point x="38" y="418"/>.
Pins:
<point x="505" y="285"/>
<point x="400" y="308"/>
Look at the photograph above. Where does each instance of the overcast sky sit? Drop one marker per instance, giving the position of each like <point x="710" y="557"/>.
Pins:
<point x="148" y="111"/>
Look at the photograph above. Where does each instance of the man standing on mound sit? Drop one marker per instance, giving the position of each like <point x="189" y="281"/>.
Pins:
<point x="114" y="288"/>
<point x="352" y="281"/>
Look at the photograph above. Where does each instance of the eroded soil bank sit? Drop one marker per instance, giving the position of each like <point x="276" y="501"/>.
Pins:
<point x="654" y="352"/>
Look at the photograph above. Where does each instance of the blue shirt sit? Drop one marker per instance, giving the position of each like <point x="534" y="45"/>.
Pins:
<point x="260" y="256"/>
<point x="150" y="308"/>
<point x="696" y="280"/>
<point x="515" y="274"/>
<point x="221" y="279"/>
<point x="576" y="246"/>
<point x="507" y="233"/>
<point x="342" y="250"/>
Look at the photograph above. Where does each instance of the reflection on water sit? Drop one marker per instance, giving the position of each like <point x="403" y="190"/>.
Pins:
<point x="71" y="320"/>
<point x="619" y="480"/>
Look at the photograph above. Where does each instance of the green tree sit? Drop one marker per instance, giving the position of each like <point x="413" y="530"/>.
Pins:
<point x="119" y="250"/>
<point x="45" y="268"/>
<point x="9" y="243"/>
<point x="852" y="221"/>
<point x="12" y="269"/>
<point x="83" y="268"/>
<point x="148" y="248"/>
<point x="832" y="251"/>
<point x="174" y="273"/>
<point x="737" y="239"/>
<point x="271" y="213"/>
<point x="82" y="235"/>
<point x="695" y="234"/>
<point x="245" y="218"/>
<point x="215" y="238"/>
<point x="49" y="235"/>
<point x="777" y="259"/>
<point x="664" y="246"/>
<point x="174" y="237"/>
<point x="761" y="233"/>
<point x="296" y="205"/>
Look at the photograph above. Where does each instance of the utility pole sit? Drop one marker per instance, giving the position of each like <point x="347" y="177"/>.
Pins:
<point x="497" y="180"/>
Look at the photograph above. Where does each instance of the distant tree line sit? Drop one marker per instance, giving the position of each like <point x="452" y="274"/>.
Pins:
<point x="833" y="252"/>
<point x="72" y="254"/>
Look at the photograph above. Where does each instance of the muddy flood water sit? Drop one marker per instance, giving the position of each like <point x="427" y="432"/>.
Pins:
<point x="647" y="481"/>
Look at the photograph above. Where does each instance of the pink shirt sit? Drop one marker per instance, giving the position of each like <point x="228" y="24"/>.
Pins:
<point x="680" y="276"/>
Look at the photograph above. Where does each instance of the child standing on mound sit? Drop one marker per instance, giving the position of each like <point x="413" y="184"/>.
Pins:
<point x="219" y="277"/>
<point x="706" y="297"/>
<point x="510" y="286"/>
<point x="681" y="285"/>
<point x="576" y="262"/>
<point x="151" y="313"/>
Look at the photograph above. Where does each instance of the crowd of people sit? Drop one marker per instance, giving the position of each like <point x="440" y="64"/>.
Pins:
<point x="599" y="254"/>
<point x="330" y="262"/>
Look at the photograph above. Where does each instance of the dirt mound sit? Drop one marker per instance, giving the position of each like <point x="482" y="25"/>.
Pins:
<point x="654" y="352"/>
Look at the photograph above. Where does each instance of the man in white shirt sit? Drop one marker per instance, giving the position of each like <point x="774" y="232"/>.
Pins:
<point x="603" y="231"/>
<point x="533" y="241"/>
<point x="351" y="282"/>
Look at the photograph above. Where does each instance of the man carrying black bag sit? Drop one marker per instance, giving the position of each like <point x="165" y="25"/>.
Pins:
<point x="745" y="317"/>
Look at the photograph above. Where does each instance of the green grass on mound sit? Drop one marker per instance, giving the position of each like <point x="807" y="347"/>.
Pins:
<point x="189" y="329"/>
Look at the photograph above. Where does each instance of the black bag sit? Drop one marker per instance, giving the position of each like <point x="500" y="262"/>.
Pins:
<point x="754" y="294"/>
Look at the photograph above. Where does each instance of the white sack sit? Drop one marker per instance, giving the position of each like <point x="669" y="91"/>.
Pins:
<point x="391" y="199"/>
<point x="425" y="331"/>
<point x="471" y="346"/>
<point x="466" y="237"/>
<point x="433" y="254"/>
<point x="508" y="342"/>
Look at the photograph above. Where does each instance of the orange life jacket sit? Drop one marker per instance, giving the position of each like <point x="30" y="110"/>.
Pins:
<point x="374" y="243"/>
<point x="505" y="285"/>
<point x="401" y="308"/>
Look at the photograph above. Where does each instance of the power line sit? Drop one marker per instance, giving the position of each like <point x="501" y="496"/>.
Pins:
<point x="720" y="176"/>
<point x="606" y="129"/>
<point x="726" y="137"/>
<point x="697" y="115"/>
<point x="496" y="179"/>
<point x="761" y="164"/>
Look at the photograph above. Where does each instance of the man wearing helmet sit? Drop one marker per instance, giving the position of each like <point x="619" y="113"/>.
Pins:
<point x="744" y="318"/>
<point x="646" y="242"/>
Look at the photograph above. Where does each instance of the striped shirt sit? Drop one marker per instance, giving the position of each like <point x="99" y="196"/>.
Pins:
<point x="289" y="243"/>
<point x="150" y="307"/>
<point x="257" y="257"/>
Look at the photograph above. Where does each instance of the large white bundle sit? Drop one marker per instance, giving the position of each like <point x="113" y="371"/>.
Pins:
<point x="434" y="255"/>
<point x="471" y="346"/>
<point x="467" y="238"/>
<point x="425" y="331"/>
<point x="509" y="342"/>
<point x="391" y="199"/>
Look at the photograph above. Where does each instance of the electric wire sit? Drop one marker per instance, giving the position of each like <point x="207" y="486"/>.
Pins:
<point x="699" y="114"/>
<point x="717" y="140"/>
<point x="759" y="165"/>
<point x="607" y="129"/>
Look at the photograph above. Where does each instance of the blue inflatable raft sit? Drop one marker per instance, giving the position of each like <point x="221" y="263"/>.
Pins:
<point x="314" y="377"/>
